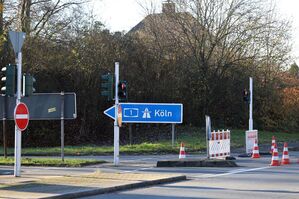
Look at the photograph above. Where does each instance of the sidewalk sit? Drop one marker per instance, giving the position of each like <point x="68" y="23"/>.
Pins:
<point x="29" y="186"/>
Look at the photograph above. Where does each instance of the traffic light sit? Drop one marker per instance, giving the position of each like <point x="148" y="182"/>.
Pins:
<point x="107" y="86"/>
<point x="246" y="97"/>
<point x="29" y="84"/>
<point x="122" y="90"/>
<point x="9" y="79"/>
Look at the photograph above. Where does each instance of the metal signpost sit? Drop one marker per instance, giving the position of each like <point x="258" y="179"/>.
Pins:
<point x="250" y="104"/>
<point x="116" y="127"/>
<point x="43" y="106"/>
<point x="17" y="40"/>
<point x="139" y="113"/>
<point x="251" y="135"/>
<point x="143" y="113"/>
<point x="172" y="134"/>
<point x="208" y="133"/>
<point x="62" y="126"/>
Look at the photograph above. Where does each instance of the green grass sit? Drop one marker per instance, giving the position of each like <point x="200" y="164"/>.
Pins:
<point x="194" y="139"/>
<point x="55" y="162"/>
<point x="265" y="137"/>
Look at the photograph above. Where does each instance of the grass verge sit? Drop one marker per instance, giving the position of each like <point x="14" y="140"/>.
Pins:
<point x="54" y="162"/>
<point x="194" y="139"/>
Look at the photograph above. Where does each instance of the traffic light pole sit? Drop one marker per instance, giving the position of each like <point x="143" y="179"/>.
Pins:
<point x="18" y="137"/>
<point x="116" y="127"/>
<point x="250" y="103"/>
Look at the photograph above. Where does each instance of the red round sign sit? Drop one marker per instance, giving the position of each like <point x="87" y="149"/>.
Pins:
<point x="21" y="116"/>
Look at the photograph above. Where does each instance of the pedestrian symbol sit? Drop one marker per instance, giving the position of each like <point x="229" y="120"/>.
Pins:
<point x="146" y="113"/>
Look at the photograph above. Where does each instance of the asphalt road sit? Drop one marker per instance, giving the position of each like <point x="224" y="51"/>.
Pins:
<point x="253" y="179"/>
<point x="264" y="183"/>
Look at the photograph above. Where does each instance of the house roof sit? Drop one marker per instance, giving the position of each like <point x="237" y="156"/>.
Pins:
<point x="163" y="20"/>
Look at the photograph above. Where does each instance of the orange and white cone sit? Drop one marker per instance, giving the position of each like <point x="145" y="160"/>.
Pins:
<point x="273" y="144"/>
<point x="275" y="158"/>
<point x="255" y="151"/>
<point x="182" y="151"/>
<point x="285" y="155"/>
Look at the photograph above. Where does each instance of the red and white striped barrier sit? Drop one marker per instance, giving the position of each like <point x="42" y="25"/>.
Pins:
<point x="219" y="144"/>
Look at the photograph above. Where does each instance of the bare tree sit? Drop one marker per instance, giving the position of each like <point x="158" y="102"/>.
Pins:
<point x="36" y="17"/>
<point x="215" y="36"/>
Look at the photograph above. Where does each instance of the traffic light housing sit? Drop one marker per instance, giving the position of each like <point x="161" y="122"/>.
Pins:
<point x="246" y="95"/>
<point x="107" y="82"/>
<point x="9" y="79"/>
<point x="122" y="90"/>
<point x="29" y="84"/>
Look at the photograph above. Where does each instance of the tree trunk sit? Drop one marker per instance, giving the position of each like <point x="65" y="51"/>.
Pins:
<point x="25" y="16"/>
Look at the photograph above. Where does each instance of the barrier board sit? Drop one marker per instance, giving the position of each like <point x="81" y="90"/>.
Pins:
<point x="251" y="136"/>
<point x="219" y="144"/>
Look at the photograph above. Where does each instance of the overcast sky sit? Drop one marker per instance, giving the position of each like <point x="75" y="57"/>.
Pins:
<point x="122" y="15"/>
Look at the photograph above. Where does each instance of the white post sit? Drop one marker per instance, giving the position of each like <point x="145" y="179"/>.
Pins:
<point x="18" y="135"/>
<point x="23" y="90"/>
<point x="116" y="128"/>
<point x="62" y="126"/>
<point x="250" y="104"/>
<point x="208" y="133"/>
<point x="172" y="134"/>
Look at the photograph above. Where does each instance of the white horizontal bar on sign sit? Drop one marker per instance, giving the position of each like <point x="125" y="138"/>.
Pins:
<point x="22" y="116"/>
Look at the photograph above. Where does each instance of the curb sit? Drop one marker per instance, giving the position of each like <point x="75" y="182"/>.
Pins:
<point x="197" y="163"/>
<point x="117" y="188"/>
<point x="245" y="155"/>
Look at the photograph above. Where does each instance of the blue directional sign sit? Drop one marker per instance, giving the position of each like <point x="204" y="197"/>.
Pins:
<point x="148" y="113"/>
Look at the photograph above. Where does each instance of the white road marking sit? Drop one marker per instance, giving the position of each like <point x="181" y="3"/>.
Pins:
<point x="230" y="172"/>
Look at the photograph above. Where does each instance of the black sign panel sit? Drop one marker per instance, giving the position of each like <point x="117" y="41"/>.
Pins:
<point x="42" y="106"/>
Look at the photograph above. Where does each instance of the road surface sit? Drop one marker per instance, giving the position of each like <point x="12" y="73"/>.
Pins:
<point x="253" y="179"/>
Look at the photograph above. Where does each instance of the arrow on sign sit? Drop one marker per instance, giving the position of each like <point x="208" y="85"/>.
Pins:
<point x="110" y="112"/>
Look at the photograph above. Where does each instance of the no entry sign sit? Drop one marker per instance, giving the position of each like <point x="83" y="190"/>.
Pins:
<point x="21" y="116"/>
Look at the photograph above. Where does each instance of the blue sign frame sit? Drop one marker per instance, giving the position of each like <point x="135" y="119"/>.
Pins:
<point x="148" y="113"/>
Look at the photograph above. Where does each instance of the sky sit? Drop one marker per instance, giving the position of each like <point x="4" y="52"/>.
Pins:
<point x="122" y="15"/>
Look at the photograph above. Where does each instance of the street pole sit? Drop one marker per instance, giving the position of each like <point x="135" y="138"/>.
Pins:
<point x="62" y="126"/>
<point x="17" y="39"/>
<point x="208" y="133"/>
<point x="4" y="127"/>
<point x="18" y="137"/>
<point x="172" y="134"/>
<point x="116" y="128"/>
<point x="130" y="134"/>
<point x="250" y="104"/>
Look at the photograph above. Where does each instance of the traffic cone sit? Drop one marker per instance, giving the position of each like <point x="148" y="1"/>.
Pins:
<point x="275" y="158"/>
<point x="272" y="145"/>
<point x="255" y="151"/>
<point x="285" y="155"/>
<point x="182" y="151"/>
